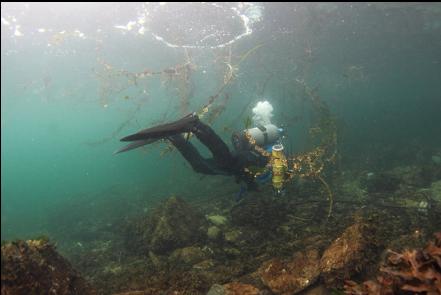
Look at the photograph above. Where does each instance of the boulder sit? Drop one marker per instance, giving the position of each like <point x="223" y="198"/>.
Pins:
<point x="216" y="289"/>
<point x="217" y="220"/>
<point x="172" y="225"/>
<point x="35" y="267"/>
<point x="187" y="256"/>
<point x="233" y="236"/>
<point x="175" y="225"/>
<point x="213" y="232"/>
<point x="234" y="288"/>
<point x="204" y="265"/>
<point x="347" y="255"/>
<point x="293" y="276"/>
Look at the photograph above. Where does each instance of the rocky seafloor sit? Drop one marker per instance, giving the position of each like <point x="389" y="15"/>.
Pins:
<point x="383" y="237"/>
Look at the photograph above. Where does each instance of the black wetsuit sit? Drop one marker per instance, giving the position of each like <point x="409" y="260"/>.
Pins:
<point x="223" y="161"/>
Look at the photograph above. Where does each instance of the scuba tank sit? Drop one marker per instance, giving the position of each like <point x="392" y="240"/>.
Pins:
<point x="262" y="135"/>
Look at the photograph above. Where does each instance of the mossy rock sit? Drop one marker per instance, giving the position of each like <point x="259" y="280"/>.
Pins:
<point x="173" y="225"/>
<point x="35" y="267"/>
<point x="187" y="256"/>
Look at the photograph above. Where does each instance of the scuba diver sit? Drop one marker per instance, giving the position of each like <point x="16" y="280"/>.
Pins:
<point x="258" y="153"/>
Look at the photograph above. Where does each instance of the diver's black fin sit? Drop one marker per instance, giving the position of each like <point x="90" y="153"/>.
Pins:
<point x="183" y="125"/>
<point x="136" y="144"/>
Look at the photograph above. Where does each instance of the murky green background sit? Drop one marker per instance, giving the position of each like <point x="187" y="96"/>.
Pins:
<point x="378" y="66"/>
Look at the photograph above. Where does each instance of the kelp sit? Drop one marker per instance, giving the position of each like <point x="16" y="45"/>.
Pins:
<point x="415" y="271"/>
<point x="177" y="79"/>
<point x="312" y="164"/>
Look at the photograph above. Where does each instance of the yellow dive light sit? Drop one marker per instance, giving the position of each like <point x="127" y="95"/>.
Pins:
<point x="279" y="166"/>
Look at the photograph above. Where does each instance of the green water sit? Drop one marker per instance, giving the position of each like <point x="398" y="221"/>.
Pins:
<point x="378" y="67"/>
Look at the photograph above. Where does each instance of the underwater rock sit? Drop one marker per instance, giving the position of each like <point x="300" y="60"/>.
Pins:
<point x="382" y="183"/>
<point x="231" y="252"/>
<point x="415" y="271"/>
<point x="226" y="271"/>
<point x="204" y="265"/>
<point x="216" y="289"/>
<point x="234" y="288"/>
<point x="35" y="267"/>
<point x="173" y="225"/>
<point x="293" y="276"/>
<point x="213" y="232"/>
<point x="189" y="256"/>
<point x="262" y="213"/>
<point x="347" y="255"/>
<point x="178" y="225"/>
<point x="188" y="282"/>
<point x="217" y="220"/>
<point x="232" y="236"/>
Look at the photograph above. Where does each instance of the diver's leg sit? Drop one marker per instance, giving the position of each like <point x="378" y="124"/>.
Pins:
<point x="221" y="154"/>
<point x="190" y="153"/>
<point x="190" y="123"/>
